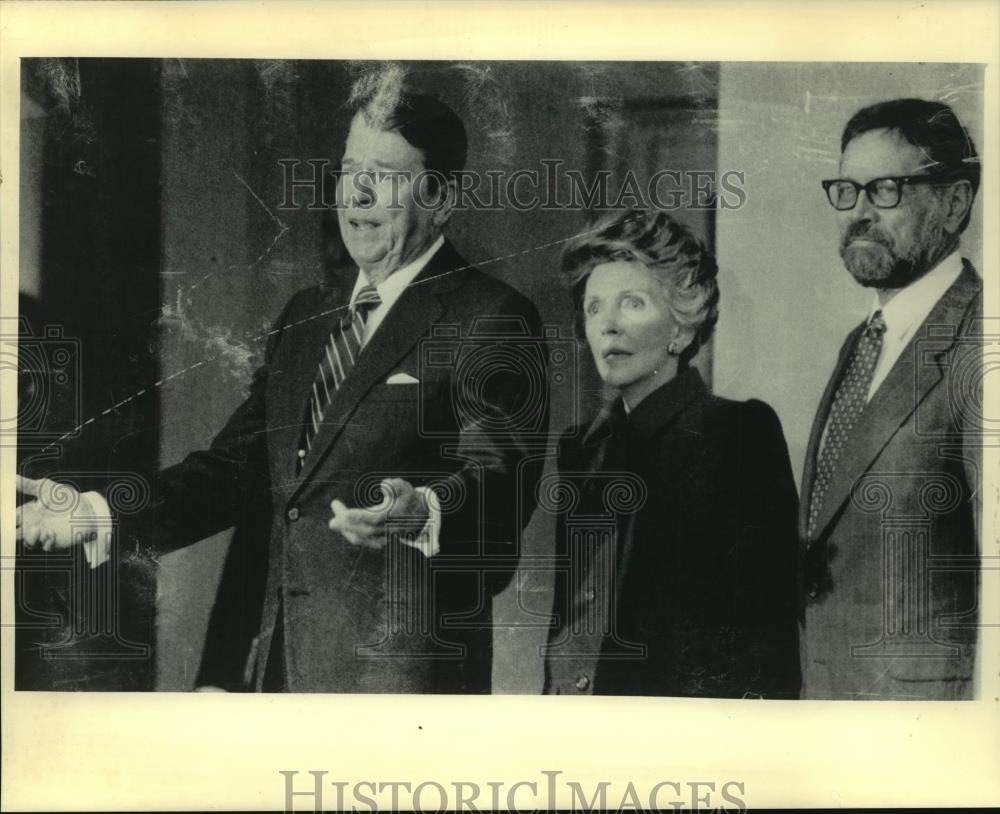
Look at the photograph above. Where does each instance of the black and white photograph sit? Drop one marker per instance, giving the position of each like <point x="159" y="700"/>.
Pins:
<point x="657" y="379"/>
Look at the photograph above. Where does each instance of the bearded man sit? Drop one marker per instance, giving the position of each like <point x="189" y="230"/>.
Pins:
<point x="891" y="500"/>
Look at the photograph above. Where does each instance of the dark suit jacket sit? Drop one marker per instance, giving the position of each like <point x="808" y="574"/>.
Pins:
<point x="891" y="574"/>
<point x="354" y="619"/>
<point x="676" y="565"/>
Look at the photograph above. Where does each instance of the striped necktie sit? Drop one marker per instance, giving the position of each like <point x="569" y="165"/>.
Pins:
<point x="340" y="353"/>
<point x="848" y="403"/>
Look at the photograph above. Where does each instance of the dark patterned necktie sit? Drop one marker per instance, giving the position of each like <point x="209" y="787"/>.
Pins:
<point x="340" y="353"/>
<point x="849" y="401"/>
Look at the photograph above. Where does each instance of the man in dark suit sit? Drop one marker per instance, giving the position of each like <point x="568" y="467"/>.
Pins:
<point x="891" y="504"/>
<point x="388" y="431"/>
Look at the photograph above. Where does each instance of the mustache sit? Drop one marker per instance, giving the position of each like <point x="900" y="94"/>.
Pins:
<point x="867" y="231"/>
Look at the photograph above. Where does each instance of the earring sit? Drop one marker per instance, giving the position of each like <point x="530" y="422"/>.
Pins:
<point x="672" y="348"/>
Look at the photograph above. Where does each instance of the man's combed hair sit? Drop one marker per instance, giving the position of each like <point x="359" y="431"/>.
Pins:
<point x="425" y="122"/>
<point x="932" y="127"/>
<point x="678" y="260"/>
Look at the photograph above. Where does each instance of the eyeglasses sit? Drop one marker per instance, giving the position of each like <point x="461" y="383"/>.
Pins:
<point x="885" y="193"/>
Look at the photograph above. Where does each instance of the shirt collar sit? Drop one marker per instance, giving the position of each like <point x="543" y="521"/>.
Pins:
<point x="912" y="304"/>
<point x="393" y="285"/>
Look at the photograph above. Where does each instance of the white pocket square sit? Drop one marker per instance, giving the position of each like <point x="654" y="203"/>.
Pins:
<point x="402" y="378"/>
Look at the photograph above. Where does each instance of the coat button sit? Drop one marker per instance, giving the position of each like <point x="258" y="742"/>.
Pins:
<point x="582" y="683"/>
<point x="293" y="513"/>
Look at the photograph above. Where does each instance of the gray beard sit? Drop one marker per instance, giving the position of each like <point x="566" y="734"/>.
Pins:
<point x="880" y="267"/>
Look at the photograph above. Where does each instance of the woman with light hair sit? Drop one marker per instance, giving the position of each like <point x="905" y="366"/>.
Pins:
<point x="676" y="554"/>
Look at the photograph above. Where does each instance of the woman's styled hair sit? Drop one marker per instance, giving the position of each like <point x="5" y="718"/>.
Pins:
<point x="677" y="259"/>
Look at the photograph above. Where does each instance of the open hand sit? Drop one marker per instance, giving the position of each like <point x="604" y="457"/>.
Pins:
<point x="403" y="508"/>
<point x="55" y="519"/>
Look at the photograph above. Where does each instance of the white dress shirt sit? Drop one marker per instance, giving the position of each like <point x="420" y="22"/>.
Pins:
<point x="907" y="310"/>
<point x="390" y="289"/>
<point x="903" y="315"/>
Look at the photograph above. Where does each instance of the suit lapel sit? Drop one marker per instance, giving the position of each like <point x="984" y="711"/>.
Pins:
<point x="409" y="319"/>
<point x="909" y="382"/>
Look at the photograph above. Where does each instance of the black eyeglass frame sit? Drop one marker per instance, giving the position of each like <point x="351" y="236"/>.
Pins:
<point x="869" y="188"/>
